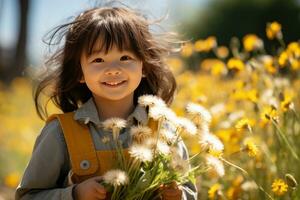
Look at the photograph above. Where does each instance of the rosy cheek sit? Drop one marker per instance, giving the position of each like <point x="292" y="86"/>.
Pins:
<point x="95" y="68"/>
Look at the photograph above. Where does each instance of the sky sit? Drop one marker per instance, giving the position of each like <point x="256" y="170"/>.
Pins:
<point x="46" y="14"/>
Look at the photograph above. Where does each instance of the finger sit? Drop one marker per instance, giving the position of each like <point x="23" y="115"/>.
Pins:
<point x="98" y="197"/>
<point x="98" y="179"/>
<point x="100" y="194"/>
<point x="100" y="189"/>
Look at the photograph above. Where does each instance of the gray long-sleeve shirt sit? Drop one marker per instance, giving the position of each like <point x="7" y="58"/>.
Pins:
<point x="46" y="175"/>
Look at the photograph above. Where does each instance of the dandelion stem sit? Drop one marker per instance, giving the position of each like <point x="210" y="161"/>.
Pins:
<point x="233" y="165"/>
<point x="246" y="173"/>
<point x="157" y="136"/>
<point x="281" y="42"/>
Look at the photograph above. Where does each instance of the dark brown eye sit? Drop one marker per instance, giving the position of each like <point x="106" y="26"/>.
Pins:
<point x="124" y="58"/>
<point x="98" y="60"/>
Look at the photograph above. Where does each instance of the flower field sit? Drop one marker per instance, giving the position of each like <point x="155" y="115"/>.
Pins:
<point x="252" y="95"/>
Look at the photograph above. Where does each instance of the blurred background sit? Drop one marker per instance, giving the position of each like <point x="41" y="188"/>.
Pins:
<point x="246" y="52"/>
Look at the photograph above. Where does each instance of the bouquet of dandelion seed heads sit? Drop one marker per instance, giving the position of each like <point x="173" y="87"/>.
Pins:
<point x="155" y="158"/>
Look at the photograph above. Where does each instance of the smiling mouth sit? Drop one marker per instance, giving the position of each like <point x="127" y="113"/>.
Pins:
<point x="114" y="83"/>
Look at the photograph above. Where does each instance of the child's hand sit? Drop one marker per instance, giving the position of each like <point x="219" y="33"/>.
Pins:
<point x="90" y="189"/>
<point x="171" y="192"/>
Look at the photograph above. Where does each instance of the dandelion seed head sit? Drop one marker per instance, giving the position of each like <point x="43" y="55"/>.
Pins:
<point x="116" y="177"/>
<point x="140" y="133"/>
<point x="151" y="100"/>
<point x="204" y="129"/>
<point x="163" y="148"/>
<point x="170" y="114"/>
<point x="188" y="126"/>
<point x="167" y="136"/>
<point x="210" y="141"/>
<point x="249" y="185"/>
<point x="150" y="143"/>
<point x="201" y="113"/>
<point x="216" y="165"/>
<point x="141" y="153"/>
<point x="179" y="165"/>
<point x="114" y="123"/>
<point x="157" y="113"/>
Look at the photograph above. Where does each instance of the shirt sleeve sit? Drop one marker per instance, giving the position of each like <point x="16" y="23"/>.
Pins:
<point x="46" y="173"/>
<point x="189" y="189"/>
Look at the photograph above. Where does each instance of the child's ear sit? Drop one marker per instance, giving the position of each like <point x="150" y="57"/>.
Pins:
<point x="143" y="72"/>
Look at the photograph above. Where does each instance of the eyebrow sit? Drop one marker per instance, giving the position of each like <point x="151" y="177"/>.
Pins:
<point x="94" y="52"/>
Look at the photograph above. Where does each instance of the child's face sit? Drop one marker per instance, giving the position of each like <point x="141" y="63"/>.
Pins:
<point x="111" y="76"/>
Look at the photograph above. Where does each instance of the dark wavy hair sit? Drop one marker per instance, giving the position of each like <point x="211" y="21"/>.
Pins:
<point x="123" y="27"/>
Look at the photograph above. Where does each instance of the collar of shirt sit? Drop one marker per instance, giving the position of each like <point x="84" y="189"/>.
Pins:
<point x="88" y="113"/>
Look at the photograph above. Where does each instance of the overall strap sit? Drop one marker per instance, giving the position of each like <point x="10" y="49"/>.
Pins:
<point x="153" y="125"/>
<point x="80" y="144"/>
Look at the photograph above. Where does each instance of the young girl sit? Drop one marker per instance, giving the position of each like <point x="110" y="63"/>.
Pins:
<point x="109" y="59"/>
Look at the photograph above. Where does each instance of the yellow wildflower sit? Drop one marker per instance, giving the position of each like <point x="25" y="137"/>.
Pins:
<point x="216" y="66"/>
<point x="286" y="100"/>
<point x="269" y="65"/>
<point x="295" y="64"/>
<point x="250" y="147"/>
<point x="205" y="45"/>
<point x="279" y="187"/>
<point x="240" y="84"/>
<point x="235" y="64"/>
<point x="211" y="42"/>
<point x="292" y="55"/>
<point x="239" y="95"/>
<point x="283" y="59"/>
<point x="273" y="30"/>
<point x="219" y="69"/>
<point x="238" y="181"/>
<point x="187" y="50"/>
<point x="243" y="124"/>
<point x="233" y="193"/>
<point x="235" y="190"/>
<point x="214" y="191"/>
<point x="251" y="42"/>
<point x="269" y="113"/>
<point x="222" y="52"/>
<point x="286" y="104"/>
<point x="199" y="46"/>
<point x="294" y="48"/>
<point x="252" y="95"/>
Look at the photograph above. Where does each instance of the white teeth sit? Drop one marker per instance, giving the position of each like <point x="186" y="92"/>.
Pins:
<point x="113" y="83"/>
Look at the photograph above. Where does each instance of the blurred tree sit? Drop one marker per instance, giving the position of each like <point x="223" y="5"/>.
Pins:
<point x="225" y="19"/>
<point x="16" y="64"/>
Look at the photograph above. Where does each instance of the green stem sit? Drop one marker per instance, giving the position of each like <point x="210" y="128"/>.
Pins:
<point x="281" y="42"/>
<point x="295" y="113"/>
<point x="282" y="135"/>
<point x="246" y="174"/>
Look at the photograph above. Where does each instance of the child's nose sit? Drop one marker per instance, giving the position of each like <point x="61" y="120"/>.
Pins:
<point x="113" y="70"/>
